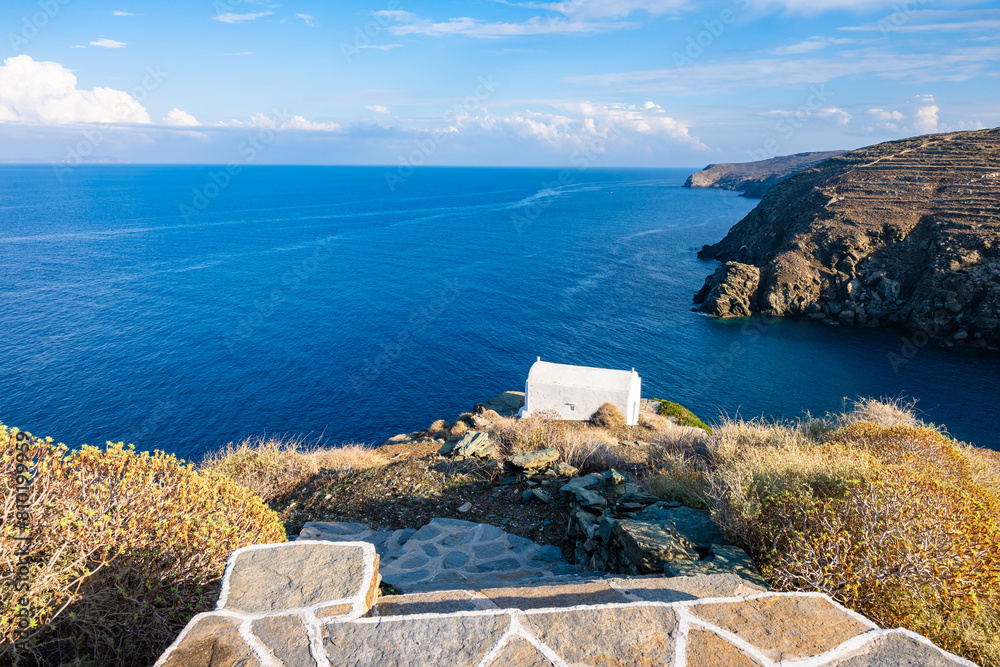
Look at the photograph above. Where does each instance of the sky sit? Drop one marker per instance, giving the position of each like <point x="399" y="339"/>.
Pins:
<point x="615" y="83"/>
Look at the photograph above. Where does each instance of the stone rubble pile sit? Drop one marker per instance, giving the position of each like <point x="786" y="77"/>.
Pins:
<point x="616" y="526"/>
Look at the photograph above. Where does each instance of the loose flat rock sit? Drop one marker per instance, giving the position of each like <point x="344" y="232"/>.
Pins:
<point x="621" y="636"/>
<point x="533" y="460"/>
<point x="457" y="641"/>
<point x="211" y="641"/>
<point x="297" y="574"/>
<point x="505" y="404"/>
<point x="775" y="624"/>
<point x="722" y="559"/>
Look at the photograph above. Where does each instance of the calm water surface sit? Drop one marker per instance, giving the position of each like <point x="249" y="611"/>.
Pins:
<point x="313" y="300"/>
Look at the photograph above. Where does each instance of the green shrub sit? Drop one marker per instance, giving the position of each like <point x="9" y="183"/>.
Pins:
<point x="127" y="546"/>
<point x="684" y="416"/>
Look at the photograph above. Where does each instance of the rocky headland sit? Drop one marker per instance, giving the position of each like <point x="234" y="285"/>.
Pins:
<point x="753" y="179"/>
<point x="904" y="233"/>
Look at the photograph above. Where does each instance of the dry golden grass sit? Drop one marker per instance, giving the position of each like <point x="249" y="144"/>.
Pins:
<point x="889" y="516"/>
<point x="581" y="445"/>
<point x="274" y="467"/>
<point x="608" y="416"/>
<point x="460" y="428"/>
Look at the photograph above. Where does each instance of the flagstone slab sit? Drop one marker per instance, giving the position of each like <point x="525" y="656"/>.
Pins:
<point x="541" y="597"/>
<point x="784" y="627"/>
<point x="678" y="589"/>
<point x="278" y="577"/>
<point x="707" y="649"/>
<point x="618" y="636"/>
<point x="436" y="602"/>
<point x="456" y="641"/>
<point x="211" y="640"/>
<point x="896" y="649"/>
<point x="519" y="652"/>
<point x="285" y="636"/>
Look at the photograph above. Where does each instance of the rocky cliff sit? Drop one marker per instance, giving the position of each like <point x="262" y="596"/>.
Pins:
<point x="755" y="178"/>
<point x="903" y="233"/>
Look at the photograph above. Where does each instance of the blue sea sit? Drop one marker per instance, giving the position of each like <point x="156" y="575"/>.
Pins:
<point x="181" y="308"/>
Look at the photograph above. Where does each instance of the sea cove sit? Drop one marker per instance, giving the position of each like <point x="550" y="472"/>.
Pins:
<point x="315" y="300"/>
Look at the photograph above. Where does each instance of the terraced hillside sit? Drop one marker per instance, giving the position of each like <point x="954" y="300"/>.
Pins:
<point x="904" y="233"/>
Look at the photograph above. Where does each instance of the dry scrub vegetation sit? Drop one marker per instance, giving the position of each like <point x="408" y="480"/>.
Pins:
<point x="873" y="507"/>
<point x="273" y="467"/>
<point x="126" y="547"/>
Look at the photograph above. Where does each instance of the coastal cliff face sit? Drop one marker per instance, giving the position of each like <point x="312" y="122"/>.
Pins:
<point x="756" y="178"/>
<point x="904" y="233"/>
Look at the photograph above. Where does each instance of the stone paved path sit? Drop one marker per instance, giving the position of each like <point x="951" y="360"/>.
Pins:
<point x="448" y="554"/>
<point x="311" y="603"/>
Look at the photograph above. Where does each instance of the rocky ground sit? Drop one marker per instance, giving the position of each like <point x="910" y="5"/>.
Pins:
<point x="602" y="521"/>
<point x="753" y="179"/>
<point x="904" y="233"/>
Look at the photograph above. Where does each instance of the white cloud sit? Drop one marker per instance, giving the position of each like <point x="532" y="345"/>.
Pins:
<point x="926" y="120"/>
<point x="261" y="121"/>
<point x="180" y="118"/>
<point x="121" y="13"/>
<point x="307" y="19"/>
<point x="45" y="93"/>
<point x="230" y="17"/>
<point x="810" y="45"/>
<point x="106" y="43"/>
<point x="377" y="108"/>
<point x="379" y="47"/>
<point x="971" y="125"/>
<point x="836" y="115"/>
<point x="888" y="120"/>
<point x="470" y="27"/>
<point x="591" y="9"/>
<point x="581" y="124"/>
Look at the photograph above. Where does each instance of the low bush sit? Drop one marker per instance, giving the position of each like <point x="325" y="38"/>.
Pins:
<point x="608" y="416"/>
<point x="126" y="547"/>
<point x="274" y="467"/>
<point x="684" y="416"/>
<point x="893" y="519"/>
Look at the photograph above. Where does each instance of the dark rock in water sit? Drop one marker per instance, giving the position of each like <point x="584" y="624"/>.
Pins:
<point x="731" y="291"/>
<point x="903" y="233"/>
<point x="755" y="178"/>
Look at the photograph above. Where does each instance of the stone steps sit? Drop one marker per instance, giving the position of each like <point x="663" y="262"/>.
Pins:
<point x="312" y="603"/>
